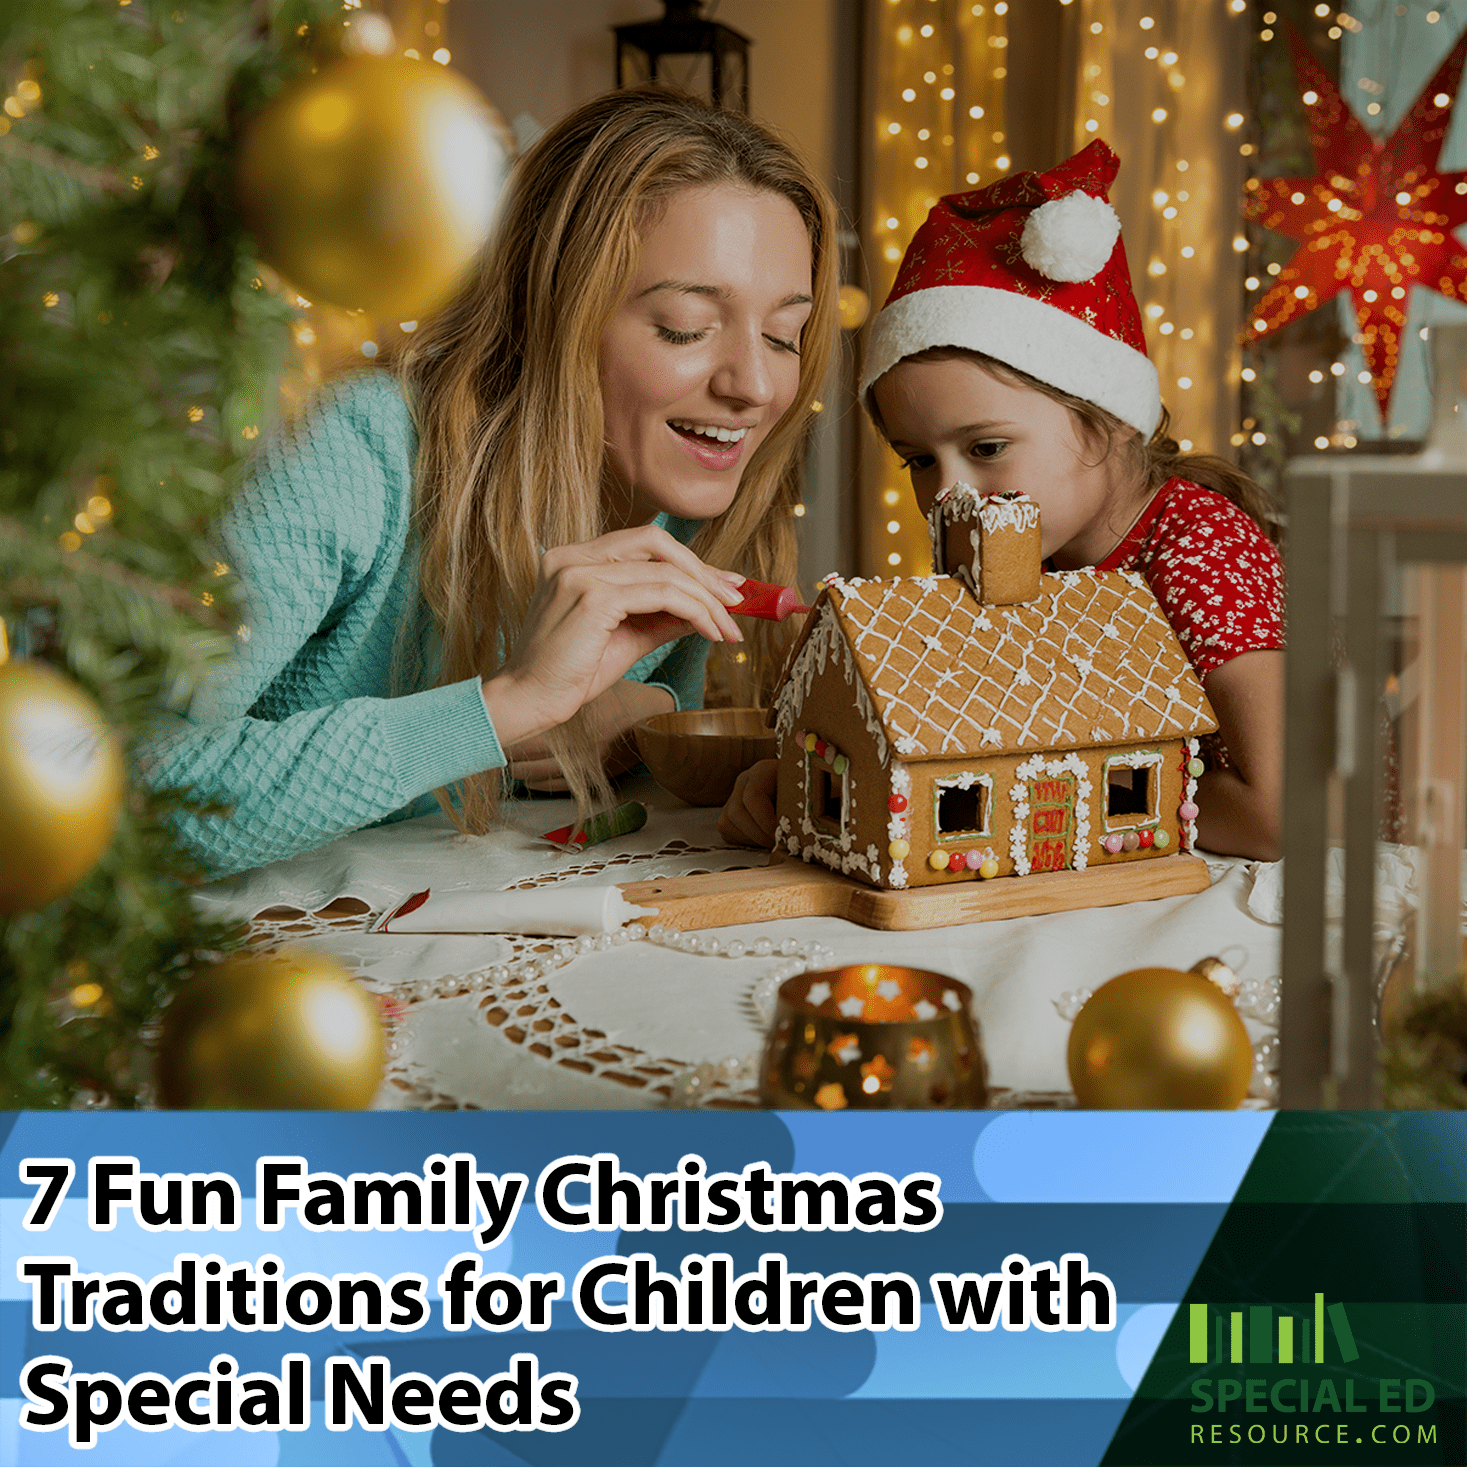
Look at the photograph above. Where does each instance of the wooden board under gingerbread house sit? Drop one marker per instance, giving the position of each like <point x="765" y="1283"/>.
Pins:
<point x="788" y="889"/>
<point x="993" y="723"/>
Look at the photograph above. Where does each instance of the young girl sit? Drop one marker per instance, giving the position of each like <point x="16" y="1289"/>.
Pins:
<point x="505" y="556"/>
<point x="1010" y="356"/>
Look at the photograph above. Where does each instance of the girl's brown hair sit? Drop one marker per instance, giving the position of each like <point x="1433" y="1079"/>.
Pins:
<point x="1153" y="461"/>
<point x="504" y="386"/>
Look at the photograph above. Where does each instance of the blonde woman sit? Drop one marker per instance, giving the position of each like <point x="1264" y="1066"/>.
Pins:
<point x="500" y="558"/>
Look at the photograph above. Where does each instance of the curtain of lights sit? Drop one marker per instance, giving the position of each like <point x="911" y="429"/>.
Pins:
<point x="936" y="83"/>
<point x="1163" y="81"/>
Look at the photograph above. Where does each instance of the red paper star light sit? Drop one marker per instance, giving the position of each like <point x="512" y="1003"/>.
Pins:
<point x="1377" y="219"/>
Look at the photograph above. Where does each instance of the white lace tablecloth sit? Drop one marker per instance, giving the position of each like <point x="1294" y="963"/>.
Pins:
<point x="615" y="1029"/>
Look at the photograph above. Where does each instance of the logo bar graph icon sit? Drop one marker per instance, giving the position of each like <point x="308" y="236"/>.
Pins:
<point x="1267" y="1346"/>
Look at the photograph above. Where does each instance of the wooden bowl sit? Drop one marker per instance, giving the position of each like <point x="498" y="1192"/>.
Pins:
<point x="697" y="755"/>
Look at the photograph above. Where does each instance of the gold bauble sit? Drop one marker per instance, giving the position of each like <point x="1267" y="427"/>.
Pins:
<point x="372" y="184"/>
<point x="286" y="1030"/>
<point x="1157" y="1039"/>
<point x="60" y="784"/>
<point x="853" y="306"/>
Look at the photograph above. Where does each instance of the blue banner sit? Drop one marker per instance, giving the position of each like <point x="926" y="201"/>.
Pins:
<point x="572" y="1288"/>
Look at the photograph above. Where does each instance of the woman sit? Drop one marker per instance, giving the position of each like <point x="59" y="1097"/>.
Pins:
<point x="578" y="461"/>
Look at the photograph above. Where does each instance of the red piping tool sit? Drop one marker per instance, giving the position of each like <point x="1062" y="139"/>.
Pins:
<point x="770" y="603"/>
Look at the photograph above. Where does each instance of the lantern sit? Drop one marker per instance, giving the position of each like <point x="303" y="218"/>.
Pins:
<point x="682" y="50"/>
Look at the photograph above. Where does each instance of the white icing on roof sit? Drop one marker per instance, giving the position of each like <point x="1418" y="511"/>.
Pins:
<point x="946" y="679"/>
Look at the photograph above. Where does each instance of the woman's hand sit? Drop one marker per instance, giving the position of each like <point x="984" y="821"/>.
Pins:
<point x="1240" y="810"/>
<point x="613" y="717"/>
<point x="748" y="818"/>
<point x="597" y="608"/>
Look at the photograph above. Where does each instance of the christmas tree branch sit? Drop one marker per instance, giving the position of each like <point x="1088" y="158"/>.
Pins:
<point x="47" y="158"/>
<point x="129" y="306"/>
<point x="26" y="588"/>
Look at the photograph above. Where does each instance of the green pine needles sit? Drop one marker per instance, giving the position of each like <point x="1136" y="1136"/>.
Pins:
<point x="140" y="354"/>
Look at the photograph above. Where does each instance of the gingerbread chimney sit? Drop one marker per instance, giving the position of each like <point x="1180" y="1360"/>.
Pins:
<point x="989" y="541"/>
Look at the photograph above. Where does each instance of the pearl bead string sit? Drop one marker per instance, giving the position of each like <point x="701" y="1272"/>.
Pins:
<point x="801" y="955"/>
<point x="737" y="1074"/>
<point x="534" y="965"/>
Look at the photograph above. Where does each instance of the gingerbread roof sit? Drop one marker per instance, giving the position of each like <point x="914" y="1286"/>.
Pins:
<point x="1091" y="661"/>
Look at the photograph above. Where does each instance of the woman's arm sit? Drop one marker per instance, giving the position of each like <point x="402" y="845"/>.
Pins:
<point x="294" y="734"/>
<point x="296" y="737"/>
<point x="296" y="783"/>
<point x="1241" y="808"/>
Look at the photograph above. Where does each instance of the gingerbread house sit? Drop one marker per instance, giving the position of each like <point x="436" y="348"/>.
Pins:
<point x="989" y="720"/>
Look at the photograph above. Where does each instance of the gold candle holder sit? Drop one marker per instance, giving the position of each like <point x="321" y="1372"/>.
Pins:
<point x="873" y="1037"/>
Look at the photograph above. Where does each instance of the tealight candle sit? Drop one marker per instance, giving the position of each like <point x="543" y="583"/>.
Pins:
<point x="873" y="1036"/>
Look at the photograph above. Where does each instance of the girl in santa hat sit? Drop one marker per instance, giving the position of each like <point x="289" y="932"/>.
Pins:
<point x="1010" y="356"/>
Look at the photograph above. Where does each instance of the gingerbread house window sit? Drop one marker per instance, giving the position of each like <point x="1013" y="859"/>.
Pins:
<point x="962" y="807"/>
<point x="1132" y="784"/>
<point x="829" y="795"/>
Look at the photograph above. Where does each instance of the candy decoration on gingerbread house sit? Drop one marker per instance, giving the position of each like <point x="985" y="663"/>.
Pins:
<point x="989" y="720"/>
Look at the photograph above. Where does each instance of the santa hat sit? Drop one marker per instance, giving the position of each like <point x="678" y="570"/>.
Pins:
<point x="1031" y="271"/>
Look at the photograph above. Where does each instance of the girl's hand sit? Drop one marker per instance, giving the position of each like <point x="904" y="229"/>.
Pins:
<point x="1240" y="810"/>
<point x="597" y="608"/>
<point x="614" y="715"/>
<point x="748" y="818"/>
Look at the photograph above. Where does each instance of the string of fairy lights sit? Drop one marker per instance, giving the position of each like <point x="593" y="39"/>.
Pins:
<point x="25" y="97"/>
<point x="328" y="339"/>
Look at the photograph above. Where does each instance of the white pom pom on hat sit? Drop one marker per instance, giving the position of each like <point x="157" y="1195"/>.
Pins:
<point x="1070" y="238"/>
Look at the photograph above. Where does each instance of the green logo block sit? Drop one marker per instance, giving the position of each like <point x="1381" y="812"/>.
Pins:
<point x="1261" y="1335"/>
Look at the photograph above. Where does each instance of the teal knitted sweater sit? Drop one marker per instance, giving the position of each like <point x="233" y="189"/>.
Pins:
<point x="299" y="734"/>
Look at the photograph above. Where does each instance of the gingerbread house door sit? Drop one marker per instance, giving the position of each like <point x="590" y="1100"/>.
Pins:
<point x="1050" y="833"/>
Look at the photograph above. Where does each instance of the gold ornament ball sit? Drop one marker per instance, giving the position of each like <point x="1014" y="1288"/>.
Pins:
<point x="373" y="183"/>
<point x="1159" y="1039"/>
<point x="853" y="306"/>
<point x="61" y="784"/>
<point x="286" y="1030"/>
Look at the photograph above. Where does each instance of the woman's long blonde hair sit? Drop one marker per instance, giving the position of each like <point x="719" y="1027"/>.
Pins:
<point x="505" y="391"/>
